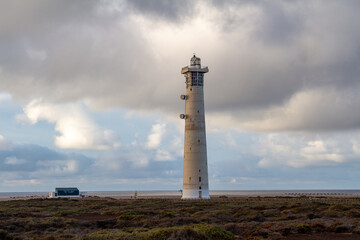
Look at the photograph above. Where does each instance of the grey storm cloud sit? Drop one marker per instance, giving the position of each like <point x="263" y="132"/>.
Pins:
<point x="30" y="161"/>
<point x="33" y="158"/>
<point x="174" y="10"/>
<point x="279" y="65"/>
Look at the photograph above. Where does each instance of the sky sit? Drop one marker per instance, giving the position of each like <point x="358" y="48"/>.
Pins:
<point x="89" y="93"/>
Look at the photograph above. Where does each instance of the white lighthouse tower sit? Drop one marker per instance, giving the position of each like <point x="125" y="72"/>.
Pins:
<point x="195" y="178"/>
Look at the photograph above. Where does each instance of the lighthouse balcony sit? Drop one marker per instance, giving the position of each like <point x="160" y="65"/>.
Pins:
<point x="194" y="69"/>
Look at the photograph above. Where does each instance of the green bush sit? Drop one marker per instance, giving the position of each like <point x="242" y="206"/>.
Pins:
<point x="213" y="232"/>
<point x="167" y="214"/>
<point x="132" y="215"/>
<point x="339" y="207"/>
<point x="201" y="231"/>
<point x="107" y="234"/>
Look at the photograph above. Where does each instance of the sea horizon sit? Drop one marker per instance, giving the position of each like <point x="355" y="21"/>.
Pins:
<point x="124" y="193"/>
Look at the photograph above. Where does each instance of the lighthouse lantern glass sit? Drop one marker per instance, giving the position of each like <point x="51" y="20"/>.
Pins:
<point x="197" y="79"/>
<point x="200" y="79"/>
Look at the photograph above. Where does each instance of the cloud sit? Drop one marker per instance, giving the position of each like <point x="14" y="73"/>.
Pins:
<point x="16" y="182"/>
<point x="284" y="72"/>
<point x="57" y="168"/>
<point x="163" y="155"/>
<point x="260" y="161"/>
<point x="38" y="162"/>
<point x="300" y="113"/>
<point x="304" y="151"/>
<point x="176" y="146"/>
<point x="43" y="168"/>
<point x="125" y="159"/>
<point x="155" y="137"/>
<point x="14" y="161"/>
<point x="266" y="60"/>
<point x="4" y="96"/>
<point x="356" y="146"/>
<point x="76" y="65"/>
<point x="174" y="10"/>
<point x="76" y="129"/>
<point x="230" y="141"/>
<point x="4" y="144"/>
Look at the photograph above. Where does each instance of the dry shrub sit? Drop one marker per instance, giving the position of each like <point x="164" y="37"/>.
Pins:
<point x="213" y="232"/>
<point x="109" y="223"/>
<point x="268" y="225"/>
<point x="263" y="232"/>
<point x="311" y="216"/>
<point x="286" y="231"/>
<point x="185" y="221"/>
<point x="303" y="228"/>
<point x="234" y="228"/>
<point x="65" y="236"/>
<point x="258" y="218"/>
<point x="124" y="223"/>
<point x="225" y="218"/>
<point x="318" y="227"/>
<point x="342" y="229"/>
<point x="4" y="235"/>
<point x="275" y="236"/>
<point x="336" y="227"/>
<point x="255" y="238"/>
<point x="188" y="234"/>
<point x="339" y="207"/>
<point x="354" y="213"/>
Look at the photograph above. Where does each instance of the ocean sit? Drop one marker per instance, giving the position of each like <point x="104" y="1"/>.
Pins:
<point x="178" y="193"/>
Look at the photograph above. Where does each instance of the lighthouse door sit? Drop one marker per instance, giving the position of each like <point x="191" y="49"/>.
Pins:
<point x="200" y="194"/>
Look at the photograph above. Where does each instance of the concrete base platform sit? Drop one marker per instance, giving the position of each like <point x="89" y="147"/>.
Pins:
<point x="195" y="194"/>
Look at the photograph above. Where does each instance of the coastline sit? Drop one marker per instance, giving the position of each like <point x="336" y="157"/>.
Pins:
<point x="212" y="197"/>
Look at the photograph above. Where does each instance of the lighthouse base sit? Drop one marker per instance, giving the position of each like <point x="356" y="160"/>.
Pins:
<point x="195" y="194"/>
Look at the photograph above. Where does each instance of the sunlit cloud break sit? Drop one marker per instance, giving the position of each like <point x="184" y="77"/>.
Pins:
<point x="76" y="129"/>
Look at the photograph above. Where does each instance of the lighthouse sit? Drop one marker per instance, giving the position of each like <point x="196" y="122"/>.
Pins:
<point x="195" y="175"/>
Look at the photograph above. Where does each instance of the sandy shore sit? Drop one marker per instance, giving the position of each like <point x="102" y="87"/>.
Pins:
<point x="171" y="197"/>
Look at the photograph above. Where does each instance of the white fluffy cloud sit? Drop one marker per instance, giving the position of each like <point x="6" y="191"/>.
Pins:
<point x="156" y="135"/>
<point x="76" y="130"/>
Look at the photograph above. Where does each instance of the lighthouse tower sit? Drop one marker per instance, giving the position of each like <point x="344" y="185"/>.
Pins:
<point x="195" y="176"/>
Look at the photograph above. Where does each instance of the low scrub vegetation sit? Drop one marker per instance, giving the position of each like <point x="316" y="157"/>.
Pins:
<point x="218" y="218"/>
